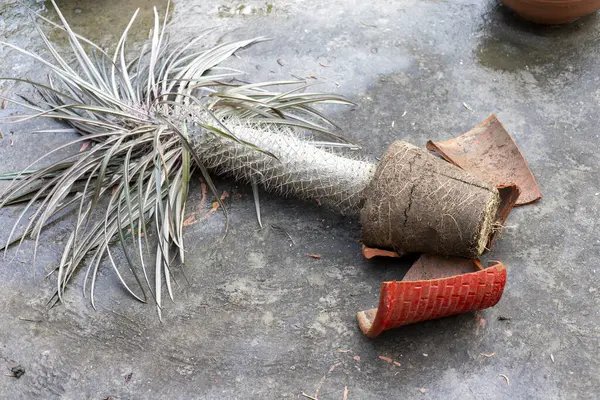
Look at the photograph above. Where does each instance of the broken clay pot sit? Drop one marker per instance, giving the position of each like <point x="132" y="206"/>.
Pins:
<point x="552" y="12"/>
<point x="488" y="152"/>
<point x="434" y="287"/>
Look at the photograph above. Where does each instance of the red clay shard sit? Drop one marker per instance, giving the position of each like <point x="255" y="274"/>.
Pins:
<point x="370" y="252"/>
<point x="489" y="153"/>
<point x="509" y="195"/>
<point x="434" y="287"/>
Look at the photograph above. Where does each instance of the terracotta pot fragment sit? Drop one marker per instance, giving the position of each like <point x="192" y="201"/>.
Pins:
<point x="434" y="287"/>
<point x="488" y="152"/>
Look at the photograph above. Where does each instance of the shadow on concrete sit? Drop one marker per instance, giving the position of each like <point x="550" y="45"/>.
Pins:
<point x="510" y="43"/>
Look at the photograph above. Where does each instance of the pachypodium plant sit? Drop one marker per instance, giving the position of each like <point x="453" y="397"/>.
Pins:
<point x="169" y="111"/>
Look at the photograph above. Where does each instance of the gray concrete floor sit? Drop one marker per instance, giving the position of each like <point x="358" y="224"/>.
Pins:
<point x="260" y="319"/>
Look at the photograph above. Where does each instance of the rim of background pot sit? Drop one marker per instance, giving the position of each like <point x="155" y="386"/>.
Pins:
<point x="552" y="11"/>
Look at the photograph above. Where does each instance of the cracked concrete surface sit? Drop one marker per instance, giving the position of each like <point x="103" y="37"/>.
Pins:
<point x="258" y="318"/>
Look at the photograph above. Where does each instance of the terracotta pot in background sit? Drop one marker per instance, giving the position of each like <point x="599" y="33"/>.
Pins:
<point x="552" y="11"/>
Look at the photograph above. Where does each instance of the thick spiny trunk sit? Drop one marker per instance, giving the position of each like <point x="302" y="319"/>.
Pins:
<point x="301" y="169"/>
